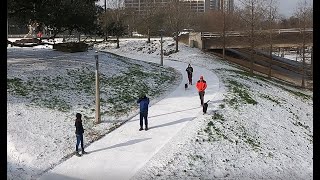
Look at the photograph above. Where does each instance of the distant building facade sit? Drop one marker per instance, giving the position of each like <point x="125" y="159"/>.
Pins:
<point x="199" y="6"/>
<point x="217" y="5"/>
<point x="140" y="5"/>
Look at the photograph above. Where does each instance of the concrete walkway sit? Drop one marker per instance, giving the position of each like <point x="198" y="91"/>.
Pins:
<point x="121" y="153"/>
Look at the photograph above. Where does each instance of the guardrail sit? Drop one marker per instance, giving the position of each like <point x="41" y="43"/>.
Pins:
<point x="244" y="33"/>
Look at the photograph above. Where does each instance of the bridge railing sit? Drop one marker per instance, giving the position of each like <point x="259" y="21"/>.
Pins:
<point x="244" y="33"/>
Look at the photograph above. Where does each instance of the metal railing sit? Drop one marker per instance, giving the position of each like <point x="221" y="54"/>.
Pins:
<point x="245" y="33"/>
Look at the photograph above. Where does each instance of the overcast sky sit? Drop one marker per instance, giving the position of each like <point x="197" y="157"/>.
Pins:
<point x="286" y="7"/>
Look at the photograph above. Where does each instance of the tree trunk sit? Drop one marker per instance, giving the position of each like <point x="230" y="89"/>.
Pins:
<point x="177" y="41"/>
<point x="224" y="30"/>
<point x="118" y="46"/>
<point x="303" y="83"/>
<point x="148" y="35"/>
<point x="312" y="62"/>
<point x="252" y="39"/>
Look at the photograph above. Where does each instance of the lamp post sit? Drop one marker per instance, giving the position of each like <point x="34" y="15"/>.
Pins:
<point x="161" y="34"/>
<point x="97" y="117"/>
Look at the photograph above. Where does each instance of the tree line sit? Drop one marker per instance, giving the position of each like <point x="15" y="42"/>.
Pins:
<point x="84" y="16"/>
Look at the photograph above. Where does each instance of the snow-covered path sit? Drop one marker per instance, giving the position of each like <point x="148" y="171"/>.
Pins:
<point x="120" y="154"/>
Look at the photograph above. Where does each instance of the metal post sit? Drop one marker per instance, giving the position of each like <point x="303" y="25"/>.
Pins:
<point x="97" y="90"/>
<point x="105" y="6"/>
<point x="224" y="30"/>
<point x="312" y="62"/>
<point x="161" y="62"/>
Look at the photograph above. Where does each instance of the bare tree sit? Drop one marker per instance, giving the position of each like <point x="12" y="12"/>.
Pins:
<point x="114" y="19"/>
<point x="151" y="18"/>
<point x="179" y="15"/>
<point x="209" y="21"/>
<point x="132" y="20"/>
<point x="252" y="14"/>
<point x="272" y="14"/>
<point x="304" y="13"/>
<point x="224" y="29"/>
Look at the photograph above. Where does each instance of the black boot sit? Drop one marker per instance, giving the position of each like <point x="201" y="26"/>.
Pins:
<point x="146" y="128"/>
<point x="84" y="152"/>
<point x="77" y="154"/>
<point x="140" y="129"/>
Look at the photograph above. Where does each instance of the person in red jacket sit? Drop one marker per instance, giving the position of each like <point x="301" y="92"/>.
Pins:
<point x="201" y="86"/>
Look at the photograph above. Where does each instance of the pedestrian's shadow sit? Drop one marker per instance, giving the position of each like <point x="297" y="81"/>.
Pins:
<point x="149" y="117"/>
<point x="130" y="142"/>
<point x="172" y="123"/>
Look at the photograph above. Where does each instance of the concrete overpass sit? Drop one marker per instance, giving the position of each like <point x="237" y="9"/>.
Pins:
<point x="241" y="39"/>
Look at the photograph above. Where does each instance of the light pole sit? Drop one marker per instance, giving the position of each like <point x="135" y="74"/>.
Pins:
<point x="161" y="34"/>
<point x="97" y="89"/>
<point x="105" y="6"/>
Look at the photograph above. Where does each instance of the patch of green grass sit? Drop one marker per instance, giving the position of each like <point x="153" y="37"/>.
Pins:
<point x="298" y="123"/>
<point x="128" y="87"/>
<point x="240" y="94"/>
<point x="270" y="98"/>
<point x="250" y="140"/>
<point x="17" y="86"/>
<point x="52" y="103"/>
<point x="221" y="106"/>
<point x="214" y="133"/>
<point x="295" y="93"/>
<point x="298" y="94"/>
<point x="118" y="94"/>
<point x="244" y="74"/>
<point x="195" y="157"/>
<point x="255" y="144"/>
<point x="218" y="116"/>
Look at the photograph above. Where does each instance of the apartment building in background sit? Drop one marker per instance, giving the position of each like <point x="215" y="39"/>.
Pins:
<point x="199" y="6"/>
<point x="217" y="5"/>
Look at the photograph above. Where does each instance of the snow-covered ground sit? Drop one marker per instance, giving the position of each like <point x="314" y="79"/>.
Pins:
<point x="294" y="56"/>
<point x="261" y="130"/>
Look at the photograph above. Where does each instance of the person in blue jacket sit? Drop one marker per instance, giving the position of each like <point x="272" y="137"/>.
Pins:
<point x="144" y="104"/>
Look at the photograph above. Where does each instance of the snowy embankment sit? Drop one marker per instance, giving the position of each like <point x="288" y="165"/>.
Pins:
<point x="45" y="90"/>
<point x="262" y="129"/>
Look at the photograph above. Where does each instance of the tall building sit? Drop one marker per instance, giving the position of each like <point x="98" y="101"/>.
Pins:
<point x="140" y="5"/>
<point x="217" y="5"/>
<point x="195" y="5"/>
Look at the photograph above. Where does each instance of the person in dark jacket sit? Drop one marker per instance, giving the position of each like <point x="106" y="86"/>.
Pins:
<point x="144" y="104"/>
<point x="79" y="133"/>
<point x="201" y="86"/>
<point x="189" y="72"/>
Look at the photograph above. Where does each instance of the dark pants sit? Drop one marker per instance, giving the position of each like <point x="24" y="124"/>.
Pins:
<point x="201" y="95"/>
<point x="190" y="78"/>
<point x="79" y="140"/>
<point x="144" y="115"/>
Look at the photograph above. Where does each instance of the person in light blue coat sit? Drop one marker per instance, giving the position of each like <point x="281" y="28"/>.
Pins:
<point x="144" y="104"/>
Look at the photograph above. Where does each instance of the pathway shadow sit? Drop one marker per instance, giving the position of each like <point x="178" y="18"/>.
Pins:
<point x="172" y="123"/>
<point x="130" y="142"/>
<point x="54" y="176"/>
<point x="215" y="101"/>
<point x="167" y="113"/>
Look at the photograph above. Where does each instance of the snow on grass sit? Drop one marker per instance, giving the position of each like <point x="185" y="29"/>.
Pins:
<point x="46" y="88"/>
<point x="257" y="128"/>
<point x="261" y="129"/>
